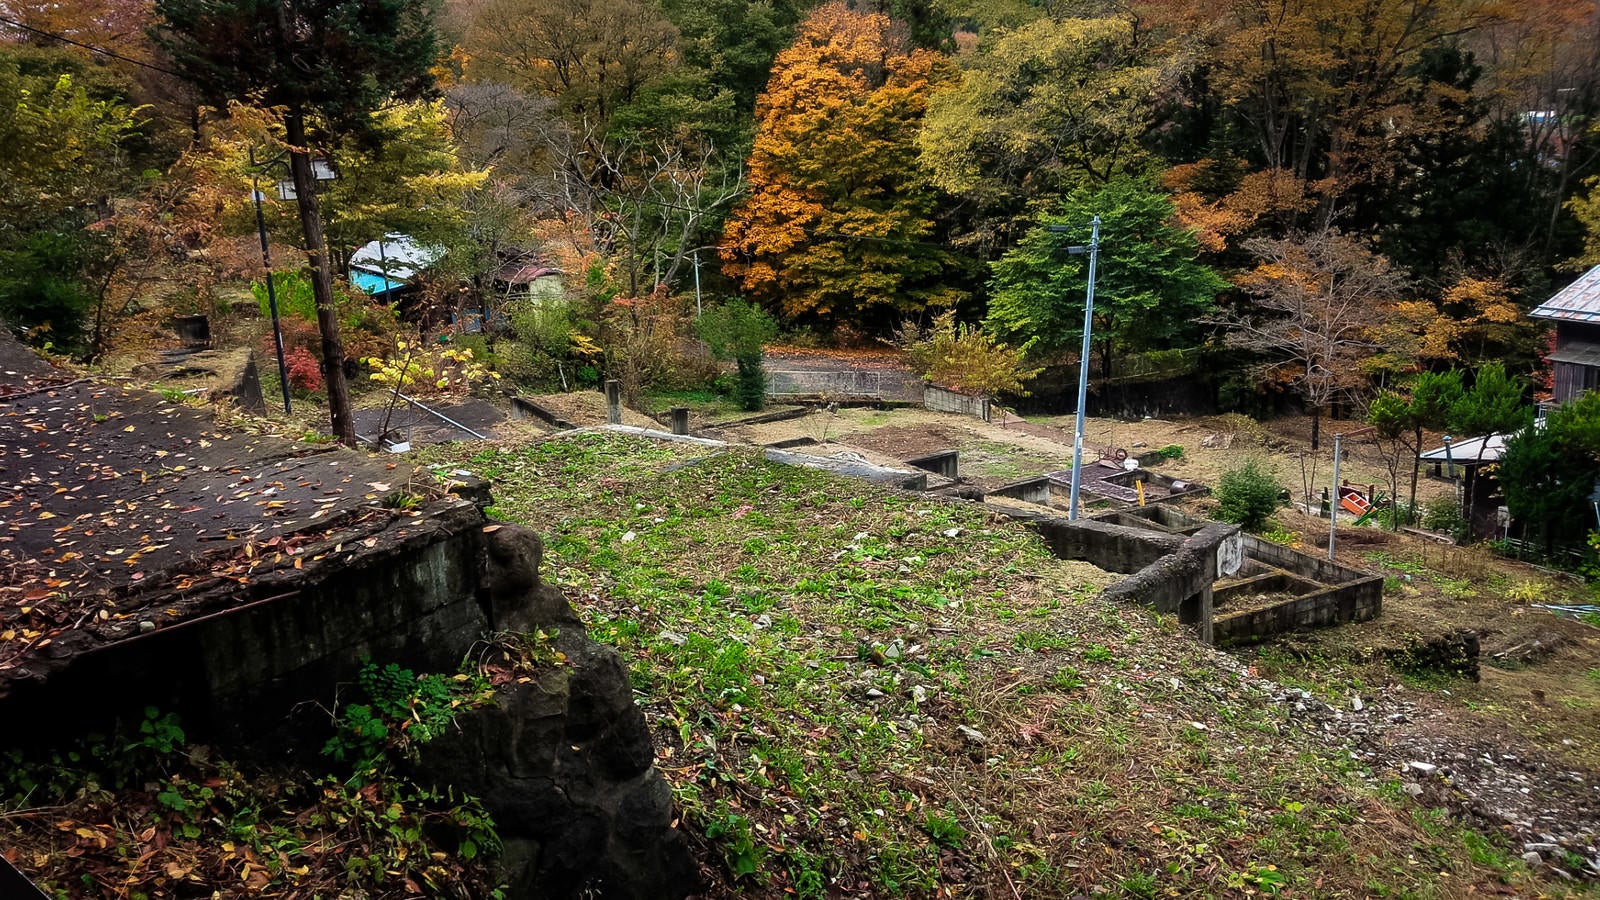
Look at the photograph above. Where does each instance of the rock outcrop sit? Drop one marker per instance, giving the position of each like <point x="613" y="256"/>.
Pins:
<point x="564" y="762"/>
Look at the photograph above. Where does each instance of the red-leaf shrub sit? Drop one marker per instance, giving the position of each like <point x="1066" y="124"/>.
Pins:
<point x="305" y="372"/>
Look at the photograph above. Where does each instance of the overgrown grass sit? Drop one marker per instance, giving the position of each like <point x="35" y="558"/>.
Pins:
<point x="859" y="690"/>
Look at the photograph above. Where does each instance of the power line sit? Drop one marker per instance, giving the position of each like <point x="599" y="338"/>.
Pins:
<point x="90" y="47"/>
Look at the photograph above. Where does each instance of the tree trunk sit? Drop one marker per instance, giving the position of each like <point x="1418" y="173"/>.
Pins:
<point x="305" y="188"/>
<point x="1316" y="426"/>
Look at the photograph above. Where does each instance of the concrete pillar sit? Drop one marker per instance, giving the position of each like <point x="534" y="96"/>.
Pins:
<point x="680" y="420"/>
<point x="613" y="402"/>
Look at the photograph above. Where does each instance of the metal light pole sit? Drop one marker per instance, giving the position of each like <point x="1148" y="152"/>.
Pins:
<point x="1333" y="501"/>
<point x="697" y="310"/>
<point x="1083" y="365"/>
<point x="272" y="294"/>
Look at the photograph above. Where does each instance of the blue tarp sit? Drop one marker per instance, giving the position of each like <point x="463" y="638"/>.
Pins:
<point x="374" y="284"/>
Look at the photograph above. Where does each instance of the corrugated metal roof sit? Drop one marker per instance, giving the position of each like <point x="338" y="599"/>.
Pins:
<point x="1577" y="302"/>
<point x="1472" y="451"/>
<point x="1576" y="352"/>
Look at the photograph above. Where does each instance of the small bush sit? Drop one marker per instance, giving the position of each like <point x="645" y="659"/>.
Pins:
<point x="1393" y="515"/>
<point x="1171" y="451"/>
<point x="1248" y="495"/>
<point x="737" y="330"/>
<point x="305" y="371"/>
<point x="1280" y="535"/>
<point x="1444" y="516"/>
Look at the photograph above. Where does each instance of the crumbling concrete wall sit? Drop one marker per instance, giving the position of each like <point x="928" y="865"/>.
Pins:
<point x="564" y="763"/>
<point x="1169" y="573"/>
<point x="1356" y="601"/>
<point x="941" y="400"/>
<point x="1330" y="594"/>
<point x="1115" y="548"/>
<point x="1028" y="490"/>
<point x="288" y="634"/>
<point x="945" y="462"/>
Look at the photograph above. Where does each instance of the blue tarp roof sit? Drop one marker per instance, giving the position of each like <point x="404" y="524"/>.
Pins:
<point x="391" y="263"/>
<point x="374" y="284"/>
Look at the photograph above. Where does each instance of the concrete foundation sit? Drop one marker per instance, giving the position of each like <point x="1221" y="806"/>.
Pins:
<point x="1028" y="490"/>
<point x="1271" y="589"/>
<point x="945" y="462"/>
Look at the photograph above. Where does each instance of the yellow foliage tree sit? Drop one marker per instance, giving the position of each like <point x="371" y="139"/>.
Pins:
<point x="838" y="226"/>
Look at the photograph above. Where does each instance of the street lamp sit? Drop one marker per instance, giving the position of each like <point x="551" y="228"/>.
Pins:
<point x="323" y="172"/>
<point x="1093" y="251"/>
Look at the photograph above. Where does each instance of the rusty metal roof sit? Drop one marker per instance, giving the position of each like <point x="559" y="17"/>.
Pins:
<point x="1577" y="302"/>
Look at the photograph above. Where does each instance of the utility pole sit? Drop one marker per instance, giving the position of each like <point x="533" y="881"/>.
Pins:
<point x="272" y="294"/>
<point x="1093" y="250"/>
<point x="697" y="284"/>
<point x="1333" y="501"/>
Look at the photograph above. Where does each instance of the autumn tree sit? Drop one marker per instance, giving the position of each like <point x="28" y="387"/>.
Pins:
<point x="1322" y="88"/>
<point x="1312" y="305"/>
<point x="839" y="223"/>
<point x="1150" y="291"/>
<point x="404" y="176"/>
<point x="591" y="56"/>
<point x="1044" y="108"/>
<point x="300" y="55"/>
<point x="61" y="154"/>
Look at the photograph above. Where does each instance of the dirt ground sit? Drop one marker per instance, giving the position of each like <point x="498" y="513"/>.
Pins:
<point x="585" y="408"/>
<point x="1011" y="448"/>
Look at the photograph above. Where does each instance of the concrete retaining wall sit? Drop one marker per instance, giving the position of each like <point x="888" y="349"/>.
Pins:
<point x="945" y="462"/>
<point x="522" y="409"/>
<point x="1330" y="594"/>
<point x="1028" y="490"/>
<point x="942" y="400"/>
<point x="1173" y="561"/>
<point x="1168" y="573"/>
<point x="290" y="635"/>
<point x="1357" y="601"/>
<point x="1115" y="548"/>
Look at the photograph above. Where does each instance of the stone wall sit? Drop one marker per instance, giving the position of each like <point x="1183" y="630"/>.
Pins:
<point x="942" y="400"/>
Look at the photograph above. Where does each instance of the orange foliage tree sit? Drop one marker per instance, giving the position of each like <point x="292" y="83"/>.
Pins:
<point x="839" y="224"/>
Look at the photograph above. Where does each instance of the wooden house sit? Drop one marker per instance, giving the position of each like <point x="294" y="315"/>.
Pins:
<point x="1575" y="362"/>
